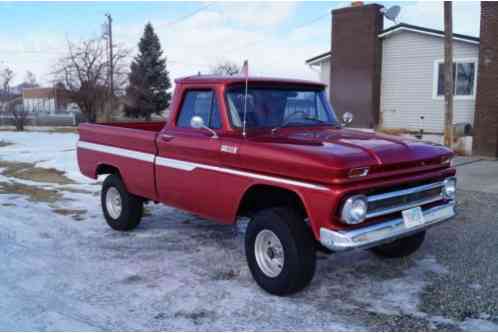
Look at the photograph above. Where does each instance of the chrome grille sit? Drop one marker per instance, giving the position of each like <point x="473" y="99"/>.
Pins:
<point x="395" y="201"/>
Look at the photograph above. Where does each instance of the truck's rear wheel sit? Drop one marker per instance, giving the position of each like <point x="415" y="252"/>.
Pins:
<point x="280" y="251"/>
<point x="122" y="210"/>
<point x="402" y="247"/>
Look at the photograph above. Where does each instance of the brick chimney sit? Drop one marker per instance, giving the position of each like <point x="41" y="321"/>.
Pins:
<point x="356" y="62"/>
<point x="485" y="141"/>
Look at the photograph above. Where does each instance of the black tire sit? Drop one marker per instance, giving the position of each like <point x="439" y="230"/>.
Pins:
<point x="131" y="205"/>
<point x="298" y="250"/>
<point x="400" y="248"/>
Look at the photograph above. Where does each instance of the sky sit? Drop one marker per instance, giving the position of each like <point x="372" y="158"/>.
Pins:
<point x="275" y="37"/>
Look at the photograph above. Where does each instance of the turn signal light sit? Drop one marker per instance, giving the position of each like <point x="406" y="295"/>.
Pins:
<point x="358" y="172"/>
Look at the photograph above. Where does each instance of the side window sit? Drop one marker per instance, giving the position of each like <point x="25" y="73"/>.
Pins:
<point x="200" y="103"/>
<point x="215" y="120"/>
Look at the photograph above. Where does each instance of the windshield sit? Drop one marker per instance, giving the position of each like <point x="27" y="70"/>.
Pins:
<point x="279" y="107"/>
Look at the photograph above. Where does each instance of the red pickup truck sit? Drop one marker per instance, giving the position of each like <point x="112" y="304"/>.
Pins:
<point x="305" y="182"/>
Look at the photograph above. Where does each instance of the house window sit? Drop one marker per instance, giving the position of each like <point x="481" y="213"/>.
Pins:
<point x="464" y="78"/>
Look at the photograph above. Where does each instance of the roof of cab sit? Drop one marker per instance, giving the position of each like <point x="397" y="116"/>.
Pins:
<point x="239" y="79"/>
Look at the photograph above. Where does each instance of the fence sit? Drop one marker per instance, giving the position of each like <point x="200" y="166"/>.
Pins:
<point x="44" y="120"/>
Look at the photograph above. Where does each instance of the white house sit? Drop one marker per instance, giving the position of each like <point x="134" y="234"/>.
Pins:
<point x="50" y="100"/>
<point x="411" y="78"/>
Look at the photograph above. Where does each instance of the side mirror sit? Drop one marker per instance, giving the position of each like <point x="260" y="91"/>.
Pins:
<point x="198" y="123"/>
<point x="347" y="118"/>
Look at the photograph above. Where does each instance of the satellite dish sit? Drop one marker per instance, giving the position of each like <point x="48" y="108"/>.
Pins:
<point x="392" y="13"/>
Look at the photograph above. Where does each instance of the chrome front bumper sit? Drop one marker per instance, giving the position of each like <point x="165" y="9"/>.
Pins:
<point x="383" y="232"/>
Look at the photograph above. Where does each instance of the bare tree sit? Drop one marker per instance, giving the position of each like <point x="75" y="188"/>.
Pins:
<point x="30" y="79"/>
<point x="15" y="107"/>
<point x="225" y="68"/>
<point x="83" y="73"/>
<point x="7" y="75"/>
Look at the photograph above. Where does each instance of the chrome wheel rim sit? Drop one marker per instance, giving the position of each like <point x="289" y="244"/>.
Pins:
<point x="269" y="253"/>
<point x="113" y="202"/>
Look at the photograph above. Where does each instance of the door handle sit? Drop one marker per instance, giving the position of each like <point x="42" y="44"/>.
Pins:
<point x="167" y="137"/>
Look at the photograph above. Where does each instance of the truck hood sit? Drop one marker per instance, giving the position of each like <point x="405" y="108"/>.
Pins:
<point x="336" y="151"/>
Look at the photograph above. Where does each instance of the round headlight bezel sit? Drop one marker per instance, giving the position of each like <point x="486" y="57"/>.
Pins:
<point x="449" y="188"/>
<point x="354" y="210"/>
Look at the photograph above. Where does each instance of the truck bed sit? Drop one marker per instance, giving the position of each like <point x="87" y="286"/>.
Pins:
<point x="136" y="136"/>
<point x="129" y="148"/>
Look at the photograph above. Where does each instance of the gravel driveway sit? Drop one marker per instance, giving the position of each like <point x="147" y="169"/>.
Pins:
<point x="63" y="268"/>
<point x="180" y="272"/>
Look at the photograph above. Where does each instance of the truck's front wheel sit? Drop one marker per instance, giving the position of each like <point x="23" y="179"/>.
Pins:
<point x="122" y="210"/>
<point x="280" y="251"/>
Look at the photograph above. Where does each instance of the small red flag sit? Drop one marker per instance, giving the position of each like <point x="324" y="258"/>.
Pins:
<point x="245" y="69"/>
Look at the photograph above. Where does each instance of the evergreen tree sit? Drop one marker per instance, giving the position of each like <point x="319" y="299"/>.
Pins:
<point x="147" y="92"/>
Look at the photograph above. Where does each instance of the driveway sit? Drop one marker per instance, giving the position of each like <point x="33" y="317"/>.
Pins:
<point x="62" y="268"/>
<point x="477" y="174"/>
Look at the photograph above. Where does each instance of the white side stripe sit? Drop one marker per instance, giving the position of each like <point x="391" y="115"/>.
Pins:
<point x="117" y="151"/>
<point x="190" y="166"/>
<point x="176" y="164"/>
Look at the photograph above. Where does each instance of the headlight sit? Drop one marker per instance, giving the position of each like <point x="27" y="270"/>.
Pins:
<point x="449" y="188"/>
<point x="447" y="160"/>
<point x="355" y="209"/>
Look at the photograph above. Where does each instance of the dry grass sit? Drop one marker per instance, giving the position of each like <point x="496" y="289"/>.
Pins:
<point x="77" y="190"/>
<point x="28" y="171"/>
<point x="63" y="130"/>
<point x="76" y="214"/>
<point x="34" y="193"/>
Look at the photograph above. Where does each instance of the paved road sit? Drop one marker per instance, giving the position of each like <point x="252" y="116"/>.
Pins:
<point x="475" y="174"/>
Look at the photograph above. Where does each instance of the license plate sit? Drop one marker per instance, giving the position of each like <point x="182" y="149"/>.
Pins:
<point x="413" y="217"/>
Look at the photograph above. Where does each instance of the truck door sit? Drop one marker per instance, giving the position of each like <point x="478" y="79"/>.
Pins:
<point x="185" y="154"/>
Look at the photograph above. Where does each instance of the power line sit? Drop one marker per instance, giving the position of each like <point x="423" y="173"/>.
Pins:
<point x="172" y="23"/>
<point x="183" y="18"/>
<point x="170" y="61"/>
<point x="316" y="19"/>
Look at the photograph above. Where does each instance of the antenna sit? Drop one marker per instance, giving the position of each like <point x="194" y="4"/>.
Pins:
<point x="391" y="13"/>
<point x="245" y="72"/>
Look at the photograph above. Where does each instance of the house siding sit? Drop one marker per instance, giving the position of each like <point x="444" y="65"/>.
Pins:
<point x="325" y="74"/>
<point x="407" y="82"/>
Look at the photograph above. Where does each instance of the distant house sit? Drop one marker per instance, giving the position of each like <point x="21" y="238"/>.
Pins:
<point x="52" y="100"/>
<point x="393" y="78"/>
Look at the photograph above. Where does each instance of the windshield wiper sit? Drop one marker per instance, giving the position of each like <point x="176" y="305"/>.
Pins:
<point x="286" y="121"/>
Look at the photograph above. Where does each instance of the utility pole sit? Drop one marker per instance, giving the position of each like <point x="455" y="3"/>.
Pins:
<point x="111" y="67"/>
<point x="448" y="73"/>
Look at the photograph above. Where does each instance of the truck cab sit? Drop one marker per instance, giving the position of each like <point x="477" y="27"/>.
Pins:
<point x="272" y="150"/>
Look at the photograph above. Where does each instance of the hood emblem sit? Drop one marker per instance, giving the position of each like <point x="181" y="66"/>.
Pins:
<point x="229" y="149"/>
